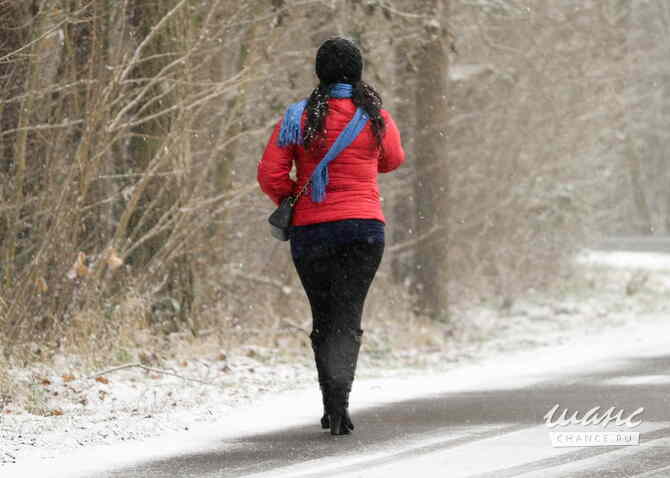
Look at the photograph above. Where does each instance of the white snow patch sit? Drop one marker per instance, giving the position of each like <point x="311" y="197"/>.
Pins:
<point x="626" y="260"/>
<point x="462" y="72"/>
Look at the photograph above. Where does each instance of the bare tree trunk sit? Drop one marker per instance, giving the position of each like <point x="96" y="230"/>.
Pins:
<point x="20" y="146"/>
<point x="404" y="219"/>
<point x="431" y="189"/>
<point x="643" y="222"/>
<point x="176" y="295"/>
<point x="646" y="112"/>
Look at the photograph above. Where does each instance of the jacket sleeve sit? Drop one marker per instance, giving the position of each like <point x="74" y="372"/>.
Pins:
<point x="274" y="168"/>
<point x="393" y="154"/>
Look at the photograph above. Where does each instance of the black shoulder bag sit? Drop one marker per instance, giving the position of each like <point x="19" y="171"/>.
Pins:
<point x="280" y="219"/>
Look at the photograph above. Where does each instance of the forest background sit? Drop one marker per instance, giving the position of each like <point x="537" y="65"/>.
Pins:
<point x="130" y="132"/>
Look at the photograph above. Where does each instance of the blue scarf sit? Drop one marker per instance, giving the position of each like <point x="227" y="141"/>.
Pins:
<point x="291" y="133"/>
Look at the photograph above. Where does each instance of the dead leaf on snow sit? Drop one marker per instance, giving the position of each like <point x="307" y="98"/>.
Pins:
<point x="102" y="379"/>
<point x="79" y="268"/>
<point x="113" y="259"/>
<point x="41" y="285"/>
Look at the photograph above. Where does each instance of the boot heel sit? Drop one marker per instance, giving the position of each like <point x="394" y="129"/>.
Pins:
<point x="337" y="426"/>
<point x="347" y="421"/>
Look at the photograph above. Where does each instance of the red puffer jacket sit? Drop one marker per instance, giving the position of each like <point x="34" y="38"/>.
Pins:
<point x="352" y="191"/>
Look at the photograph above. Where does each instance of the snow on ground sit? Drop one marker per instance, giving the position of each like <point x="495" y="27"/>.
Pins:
<point x="301" y="407"/>
<point x="626" y="260"/>
<point x="186" y="404"/>
<point x="137" y="403"/>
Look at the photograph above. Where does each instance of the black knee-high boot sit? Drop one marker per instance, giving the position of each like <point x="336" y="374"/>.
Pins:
<point x="338" y="352"/>
<point x="323" y="381"/>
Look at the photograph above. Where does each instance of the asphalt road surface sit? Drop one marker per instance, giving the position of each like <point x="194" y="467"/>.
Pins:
<point x="483" y="433"/>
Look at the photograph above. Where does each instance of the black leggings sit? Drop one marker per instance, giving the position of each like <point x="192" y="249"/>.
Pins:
<point x="337" y="282"/>
<point x="336" y="278"/>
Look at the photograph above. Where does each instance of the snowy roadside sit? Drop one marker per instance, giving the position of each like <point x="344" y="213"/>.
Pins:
<point x="136" y="402"/>
<point x="82" y="412"/>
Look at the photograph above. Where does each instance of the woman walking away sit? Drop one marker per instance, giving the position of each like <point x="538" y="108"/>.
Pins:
<point x="339" y="139"/>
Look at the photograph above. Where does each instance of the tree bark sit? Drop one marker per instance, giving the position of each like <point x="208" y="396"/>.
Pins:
<point x="431" y="187"/>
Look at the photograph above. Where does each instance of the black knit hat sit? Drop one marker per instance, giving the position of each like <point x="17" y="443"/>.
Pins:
<point x="339" y="61"/>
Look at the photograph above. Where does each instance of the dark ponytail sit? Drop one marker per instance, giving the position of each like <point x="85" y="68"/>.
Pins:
<point x="363" y="96"/>
<point x="317" y="110"/>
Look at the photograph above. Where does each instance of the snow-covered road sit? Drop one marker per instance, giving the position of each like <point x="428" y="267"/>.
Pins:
<point x="483" y="420"/>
